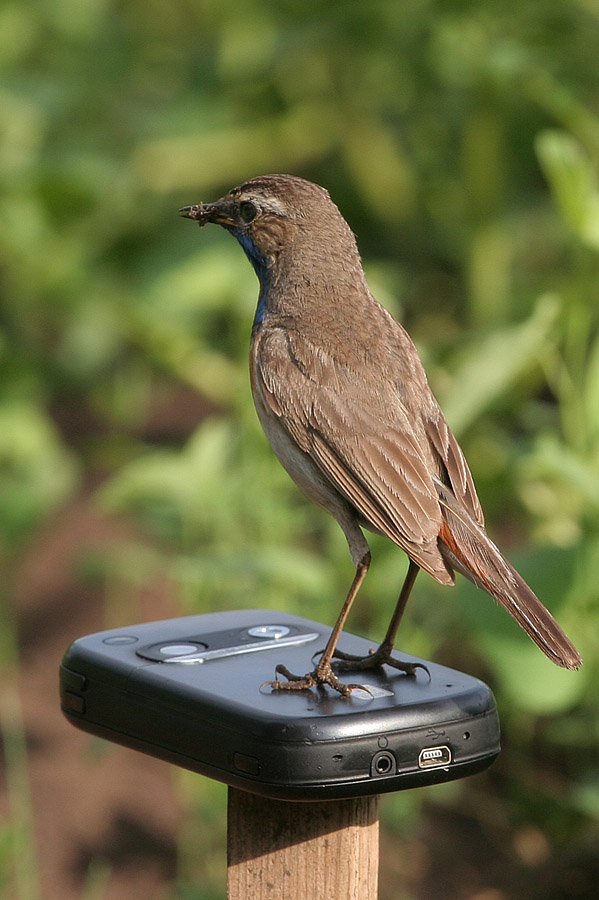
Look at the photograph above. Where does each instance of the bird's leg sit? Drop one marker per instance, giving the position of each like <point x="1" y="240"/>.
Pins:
<point x="382" y="655"/>
<point x="323" y="673"/>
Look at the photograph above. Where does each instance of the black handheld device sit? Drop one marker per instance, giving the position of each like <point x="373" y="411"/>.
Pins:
<point x="188" y="690"/>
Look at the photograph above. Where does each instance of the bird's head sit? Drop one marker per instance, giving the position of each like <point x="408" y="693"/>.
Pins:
<point x="266" y="215"/>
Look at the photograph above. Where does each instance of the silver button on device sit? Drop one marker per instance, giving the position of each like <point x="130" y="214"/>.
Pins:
<point x="178" y="649"/>
<point x="273" y="632"/>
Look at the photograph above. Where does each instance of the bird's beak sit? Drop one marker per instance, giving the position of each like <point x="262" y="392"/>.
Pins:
<point x="208" y="212"/>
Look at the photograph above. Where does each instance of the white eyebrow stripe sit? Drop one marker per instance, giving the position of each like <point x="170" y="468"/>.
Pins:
<point x="273" y="204"/>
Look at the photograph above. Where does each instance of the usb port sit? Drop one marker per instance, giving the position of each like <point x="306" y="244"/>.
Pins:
<point x="434" y="756"/>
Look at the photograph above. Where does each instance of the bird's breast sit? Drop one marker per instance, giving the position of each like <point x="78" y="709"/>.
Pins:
<point x="294" y="460"/>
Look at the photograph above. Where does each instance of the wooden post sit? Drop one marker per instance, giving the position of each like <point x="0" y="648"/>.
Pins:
<point x="324" y="850"/>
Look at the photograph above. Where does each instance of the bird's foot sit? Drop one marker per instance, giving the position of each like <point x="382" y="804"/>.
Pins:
<point x="320" y="676"/>
<point x="348" y="662"/>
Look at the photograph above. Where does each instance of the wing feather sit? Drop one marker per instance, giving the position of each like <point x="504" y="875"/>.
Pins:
<point x="365" y="449"/>
<point x="457" y="473"/>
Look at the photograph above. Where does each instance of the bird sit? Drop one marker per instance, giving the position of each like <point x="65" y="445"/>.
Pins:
<point x="344" y="401"/>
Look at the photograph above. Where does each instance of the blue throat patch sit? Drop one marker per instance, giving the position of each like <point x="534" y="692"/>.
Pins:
<point x="260" y="267"/>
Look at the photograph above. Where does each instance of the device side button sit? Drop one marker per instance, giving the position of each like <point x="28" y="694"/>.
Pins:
<point x="247" y="764"/>
<point x="71" y="680"/>
<point x="73" y="703"/>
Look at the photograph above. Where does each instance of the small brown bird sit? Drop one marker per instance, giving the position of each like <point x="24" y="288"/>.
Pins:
<point x="344" y="401"/>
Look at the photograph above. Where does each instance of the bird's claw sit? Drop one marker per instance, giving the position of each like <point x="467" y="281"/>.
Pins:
<point x="347" y="662"/>
<point x="319" y="677"/>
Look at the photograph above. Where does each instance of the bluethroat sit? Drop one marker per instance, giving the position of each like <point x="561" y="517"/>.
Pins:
<point x="344" y="400"/>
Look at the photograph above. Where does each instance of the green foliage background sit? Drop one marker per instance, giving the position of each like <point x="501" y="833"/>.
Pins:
<point x="461" y="142"/>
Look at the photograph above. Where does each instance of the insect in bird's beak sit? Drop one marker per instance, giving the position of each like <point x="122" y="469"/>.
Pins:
<point x="207" y="212"/>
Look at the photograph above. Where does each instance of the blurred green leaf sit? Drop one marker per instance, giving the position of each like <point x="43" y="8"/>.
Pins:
<point x="591" y="396"/>
<point x="575" y="182"/>
<point x="37" y="472"/>
<point x="529" y="680"/>
<point x="490" y="367"/>
<point x="585" y="796"/>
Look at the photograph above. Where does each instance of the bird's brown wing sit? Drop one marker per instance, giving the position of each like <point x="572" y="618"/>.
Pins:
<point x="367" y="450"/>
<point x="456" y="471"/>
<point x="414" y="487"/>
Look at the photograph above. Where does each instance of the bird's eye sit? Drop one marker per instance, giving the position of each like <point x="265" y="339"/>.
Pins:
<point x="247" y="211"/>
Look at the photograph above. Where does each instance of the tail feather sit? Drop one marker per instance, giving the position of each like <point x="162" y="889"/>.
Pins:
<point x="467" y="548"/>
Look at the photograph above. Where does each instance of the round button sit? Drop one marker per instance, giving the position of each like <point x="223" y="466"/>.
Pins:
<point x="120" y="639"/>
<point x="272" y="632"/>
<point x="178" y="649"/>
